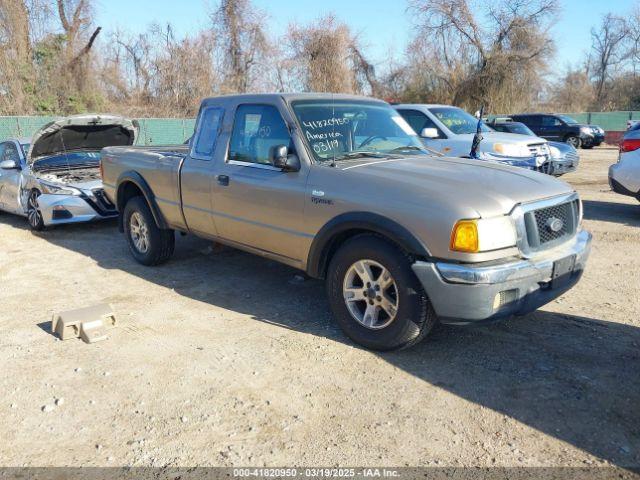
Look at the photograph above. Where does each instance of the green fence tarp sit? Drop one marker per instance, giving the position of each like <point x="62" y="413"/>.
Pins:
<point x="171" y="131"/>
<point x="153" y="131"/>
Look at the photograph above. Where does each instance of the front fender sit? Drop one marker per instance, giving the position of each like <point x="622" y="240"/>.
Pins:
<point x="325" y="240"/>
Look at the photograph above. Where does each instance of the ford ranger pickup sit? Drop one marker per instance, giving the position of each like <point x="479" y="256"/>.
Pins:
<point x="342" y="188"/>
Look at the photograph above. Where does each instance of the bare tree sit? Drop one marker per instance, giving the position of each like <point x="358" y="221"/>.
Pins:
<point x="15" y="55"/>
<point x="243" y="42"/>
<point x="608" y="50"/>
<point x="573" y="92"/>
<point x="326" y="58"/>
<point x="490" y="56"/>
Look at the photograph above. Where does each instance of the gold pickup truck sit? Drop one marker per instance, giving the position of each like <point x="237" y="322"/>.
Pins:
<point x="342" y="188"/>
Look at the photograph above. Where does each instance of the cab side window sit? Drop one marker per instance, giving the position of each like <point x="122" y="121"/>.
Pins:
<point x="257" y="129"/>
<point x="208" y="127"/>
<point x="419" y="121"/>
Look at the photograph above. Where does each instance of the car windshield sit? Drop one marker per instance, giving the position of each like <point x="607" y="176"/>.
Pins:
<point x="567" y="120"/>
<point x="340" y="129"/>
<point x="457" y="120"/>
<point x="519" y="128"/>
<point x="71" y="160"/>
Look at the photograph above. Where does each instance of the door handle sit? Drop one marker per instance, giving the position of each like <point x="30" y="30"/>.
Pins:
<point x="223" y="180"/>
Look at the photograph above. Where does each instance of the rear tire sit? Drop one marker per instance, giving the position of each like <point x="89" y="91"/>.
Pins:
<point x="361" y="309"/>
<point x="574" y="141"/>
<point x="148" y="244"/>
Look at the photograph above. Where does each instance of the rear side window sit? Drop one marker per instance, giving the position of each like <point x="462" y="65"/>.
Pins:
<point x="257" y="129"/>
<point x="208" y="127"/>
<point x="419" y="121"/>
<point x="526" y="119"/>
<point x="549" y="121"/>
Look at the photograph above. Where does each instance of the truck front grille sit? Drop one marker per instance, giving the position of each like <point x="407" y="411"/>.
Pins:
<point x="552" y="225"/>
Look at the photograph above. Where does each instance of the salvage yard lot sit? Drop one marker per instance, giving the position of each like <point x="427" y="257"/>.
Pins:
<point x="224" y="358"/>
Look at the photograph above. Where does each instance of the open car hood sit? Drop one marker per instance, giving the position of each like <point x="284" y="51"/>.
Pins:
<point x="82" y="132"/>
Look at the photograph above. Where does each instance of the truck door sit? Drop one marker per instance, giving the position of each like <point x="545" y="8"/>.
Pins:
<point x="198" y="173"/>
<point x="10" y="179"/>
<point x="551" y="128"/>
<point x="254" y="203"/>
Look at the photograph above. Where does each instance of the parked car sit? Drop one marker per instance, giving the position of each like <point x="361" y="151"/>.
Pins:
<point x="564" y="157"/>
<point x="340" y="187"/>
<point x="562" y="128"/>
<point x="55" y="178"/>
<point x="624" y="176"/>
<point x="450" y="130"/>
<point x="632" y="123"/>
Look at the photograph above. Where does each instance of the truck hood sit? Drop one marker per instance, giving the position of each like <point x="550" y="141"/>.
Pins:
<point x="82" y="132"/>
<point x="487" y="187"/>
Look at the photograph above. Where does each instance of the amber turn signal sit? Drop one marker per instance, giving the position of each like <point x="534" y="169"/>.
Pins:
<point x="464" y="237"/>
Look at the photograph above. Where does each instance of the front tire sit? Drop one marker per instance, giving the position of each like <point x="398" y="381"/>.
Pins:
<point x="34" y="215"/>
<point x="375" y="297"/>
<point x="148" y="244"/>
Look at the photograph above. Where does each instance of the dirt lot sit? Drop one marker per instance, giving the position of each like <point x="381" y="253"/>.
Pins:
<point x="223" y="358"/>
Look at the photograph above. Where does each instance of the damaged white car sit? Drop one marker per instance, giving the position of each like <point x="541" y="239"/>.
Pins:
<point x="55" y="178"/>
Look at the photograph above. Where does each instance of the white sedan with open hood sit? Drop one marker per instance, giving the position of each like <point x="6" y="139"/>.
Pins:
<point x="56" y="178"/>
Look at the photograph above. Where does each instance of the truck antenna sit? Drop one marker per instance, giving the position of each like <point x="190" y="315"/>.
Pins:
<point x="477" y="138"/>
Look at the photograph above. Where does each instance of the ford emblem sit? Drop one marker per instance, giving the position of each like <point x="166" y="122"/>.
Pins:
<point x="554" y="224"/>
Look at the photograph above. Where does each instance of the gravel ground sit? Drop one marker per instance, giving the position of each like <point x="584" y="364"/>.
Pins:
<point x="222" y="358"/>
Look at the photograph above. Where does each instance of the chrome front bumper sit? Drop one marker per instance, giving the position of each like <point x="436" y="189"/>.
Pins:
<point x="465" y="293"/>
<point x="61" y="209"/>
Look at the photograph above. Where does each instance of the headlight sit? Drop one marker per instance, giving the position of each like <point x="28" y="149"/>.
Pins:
<point x="555" y="153"/>
<point x="483" y="235"/>
<point x="586" y="130"/>
<point x="511" y="149"/>
<point x="53" y="189"/>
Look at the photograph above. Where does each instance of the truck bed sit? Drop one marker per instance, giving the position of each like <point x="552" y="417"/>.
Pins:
<point x="159" y="166"/>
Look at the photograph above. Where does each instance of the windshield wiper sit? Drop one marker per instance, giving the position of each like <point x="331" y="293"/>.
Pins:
<point x="418" y="149"/>
<point x="406" y="147"/>
<point x="360" y="154"/>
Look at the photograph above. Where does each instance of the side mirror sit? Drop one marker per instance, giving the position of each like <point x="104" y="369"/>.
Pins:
<point x="280" y="158"/>
<point x="9" y="165"/>
<point x="429" y="133"/>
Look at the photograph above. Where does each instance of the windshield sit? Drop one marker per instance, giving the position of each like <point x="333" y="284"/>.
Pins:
<point x="567" y="120"/>
<point x="457" y="120"/>
<point x="520" y="128"/>
<point x="70" y="160"/>
<point x="346" y="128"/>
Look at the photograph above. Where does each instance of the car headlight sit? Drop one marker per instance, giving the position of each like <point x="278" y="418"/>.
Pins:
<point x="555" y="152"/>
<point x="53" y="189"/>
<point x="586" y="130"/>
<point x="511" y="149"/>
<point x="483" y="235"/>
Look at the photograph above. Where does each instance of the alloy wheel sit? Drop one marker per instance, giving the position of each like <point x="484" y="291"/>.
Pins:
<point x="371" y="294"/>
<point x="33" y="210"/>
<point x="139" y="232"/>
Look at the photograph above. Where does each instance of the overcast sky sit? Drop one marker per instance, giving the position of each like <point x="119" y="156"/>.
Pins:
<point x="382" y="25"/>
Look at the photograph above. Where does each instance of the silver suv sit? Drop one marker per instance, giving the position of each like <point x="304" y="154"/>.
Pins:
<point x="342" y="188"/>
